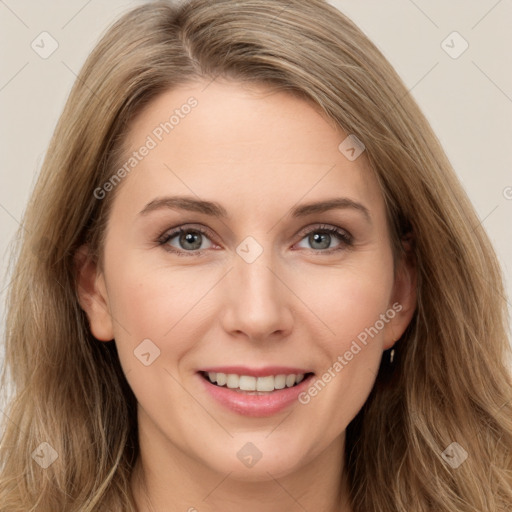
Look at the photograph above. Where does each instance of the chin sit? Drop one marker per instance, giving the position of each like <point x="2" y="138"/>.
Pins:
<point x="252" y="465"/>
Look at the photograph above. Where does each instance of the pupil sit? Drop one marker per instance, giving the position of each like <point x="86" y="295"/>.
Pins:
<point x="317" y="237"/>
<point x="188" y="238"/>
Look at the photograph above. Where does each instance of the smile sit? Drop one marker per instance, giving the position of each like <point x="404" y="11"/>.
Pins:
<point x="264" y="393"/>
<point x="268" y="383"/>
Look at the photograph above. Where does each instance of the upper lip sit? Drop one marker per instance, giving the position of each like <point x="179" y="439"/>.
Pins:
<point x="256" y="372"/>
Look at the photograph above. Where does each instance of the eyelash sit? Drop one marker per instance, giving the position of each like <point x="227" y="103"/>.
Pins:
<point x="344" y="237"/>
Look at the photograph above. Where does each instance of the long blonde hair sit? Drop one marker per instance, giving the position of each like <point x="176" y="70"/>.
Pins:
<point x="450" y="383"/>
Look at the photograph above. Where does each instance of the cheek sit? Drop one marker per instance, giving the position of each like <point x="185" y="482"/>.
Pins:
<point x="160" y="301"/>
<point x="350" y="301"/>
<point x="152" y="300"/>
<point x="351" y="304"/>
<point x="155" y="303"/>
<point x="155" y="313"/>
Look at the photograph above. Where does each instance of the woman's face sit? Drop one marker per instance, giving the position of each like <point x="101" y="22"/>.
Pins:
<point x="254" y="286"/>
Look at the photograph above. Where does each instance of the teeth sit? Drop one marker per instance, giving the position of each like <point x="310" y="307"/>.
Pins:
<point x="280" y="381"/>
<point x="290" y="381"/>
<point x="250" y="383"/>
<point x="246" y="383"/>
<point x="264" y="383"/>
<point x="233" y="381"/>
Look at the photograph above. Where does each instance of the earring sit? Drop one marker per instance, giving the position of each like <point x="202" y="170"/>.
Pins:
<point x="391" y="356"/>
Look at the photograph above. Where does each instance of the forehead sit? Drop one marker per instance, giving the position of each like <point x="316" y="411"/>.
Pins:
<point x="244" y="145"/>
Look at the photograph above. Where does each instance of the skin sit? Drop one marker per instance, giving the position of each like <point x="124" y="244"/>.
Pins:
<point x="259" y="154"/>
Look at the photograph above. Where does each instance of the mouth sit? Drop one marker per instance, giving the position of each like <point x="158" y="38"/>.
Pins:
<point x="252" y="385"/>
<point x="264" y="394"/>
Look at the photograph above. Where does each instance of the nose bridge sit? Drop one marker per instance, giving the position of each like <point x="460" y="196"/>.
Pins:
<point x="258" y="302"/>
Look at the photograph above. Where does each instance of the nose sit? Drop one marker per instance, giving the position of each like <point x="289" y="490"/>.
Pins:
<point x="258" y="301"/>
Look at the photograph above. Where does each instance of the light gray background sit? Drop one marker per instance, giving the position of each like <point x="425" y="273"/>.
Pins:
<point x="468" y="100"/>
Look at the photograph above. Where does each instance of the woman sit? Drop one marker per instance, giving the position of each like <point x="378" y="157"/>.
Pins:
<point x="176" y="338"/>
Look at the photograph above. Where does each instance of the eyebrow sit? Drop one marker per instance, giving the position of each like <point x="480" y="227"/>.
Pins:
<point x="215" y="209"/>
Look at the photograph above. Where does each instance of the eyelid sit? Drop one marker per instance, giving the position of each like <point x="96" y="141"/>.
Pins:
<point x="322" y="226"/>
<point x="170" y="233"/>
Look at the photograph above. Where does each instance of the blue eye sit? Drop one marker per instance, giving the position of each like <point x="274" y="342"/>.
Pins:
<point x="323" y="236"/>
<point x="190" y="240"/>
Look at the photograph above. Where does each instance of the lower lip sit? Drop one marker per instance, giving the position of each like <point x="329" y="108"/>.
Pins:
<point x="256" y="405"/>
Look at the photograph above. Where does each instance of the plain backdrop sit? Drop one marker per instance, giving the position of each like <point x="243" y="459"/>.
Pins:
<point x="454" y="58"/>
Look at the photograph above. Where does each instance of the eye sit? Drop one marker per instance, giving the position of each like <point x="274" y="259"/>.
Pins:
<point x="320" y="237"/>
<point x="188" y="240"/>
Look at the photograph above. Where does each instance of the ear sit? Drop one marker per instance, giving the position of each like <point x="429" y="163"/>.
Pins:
<point x="92" y="295"/>
<point x="403" y="298"/>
